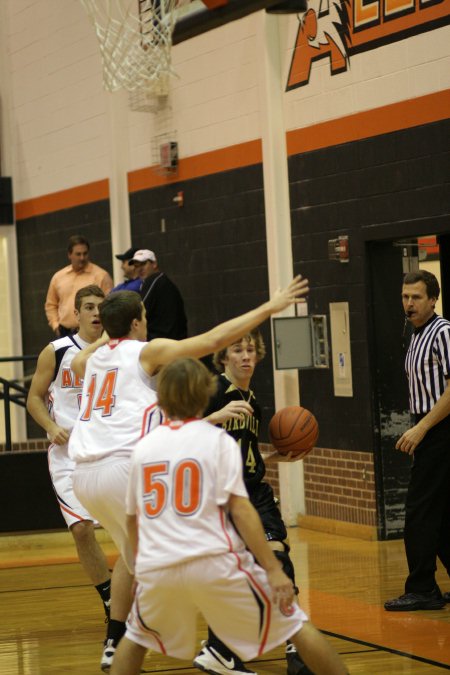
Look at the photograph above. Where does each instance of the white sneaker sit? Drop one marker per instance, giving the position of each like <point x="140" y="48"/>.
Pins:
<point x="108" y="655"/>
<point x="211" y="661"/>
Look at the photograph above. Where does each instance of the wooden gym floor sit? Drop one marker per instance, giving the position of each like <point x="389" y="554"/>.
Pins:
<point x="51" y="620"/>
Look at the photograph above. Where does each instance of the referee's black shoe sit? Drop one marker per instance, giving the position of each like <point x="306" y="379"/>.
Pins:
<point x="446" y="596"/>
<point x="410" y="602"/>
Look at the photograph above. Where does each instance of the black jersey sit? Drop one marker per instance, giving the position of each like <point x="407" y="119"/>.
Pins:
<point x="244" y="432"/>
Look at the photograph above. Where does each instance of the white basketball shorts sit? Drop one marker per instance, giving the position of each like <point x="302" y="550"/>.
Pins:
<point x="102" y="487"/>
<point x="61" y="469"/>
<point x="230" y="591"/>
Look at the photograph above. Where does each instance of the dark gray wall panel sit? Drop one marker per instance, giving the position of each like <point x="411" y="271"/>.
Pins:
<point x="214" y="249"/>
<point x="383" y="186"/>
<point x="42" y="250"/>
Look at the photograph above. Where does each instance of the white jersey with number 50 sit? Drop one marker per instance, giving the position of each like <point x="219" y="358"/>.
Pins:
<point x="117" y="405"/>
<point x="181" y="477"/>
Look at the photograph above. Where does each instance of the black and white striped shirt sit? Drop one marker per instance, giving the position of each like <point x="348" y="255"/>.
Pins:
<point x="427" y="364"/>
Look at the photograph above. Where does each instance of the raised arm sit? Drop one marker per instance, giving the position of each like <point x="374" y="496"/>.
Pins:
<point x="37" y="397"/>
<point x="79" y="362"/>
<point x="160" y="351"/>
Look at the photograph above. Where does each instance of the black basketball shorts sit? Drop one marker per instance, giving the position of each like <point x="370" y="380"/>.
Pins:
<point x="264" y="501"/>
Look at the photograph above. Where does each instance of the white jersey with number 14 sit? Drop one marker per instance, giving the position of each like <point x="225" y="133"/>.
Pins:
<point x="116" y="404"/>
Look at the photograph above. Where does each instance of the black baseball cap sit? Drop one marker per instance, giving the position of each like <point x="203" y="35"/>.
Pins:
<point x="128" y="255"/>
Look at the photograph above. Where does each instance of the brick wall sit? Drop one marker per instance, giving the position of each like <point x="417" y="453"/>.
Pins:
<point x="272" y="476"/>
<point x="340" y="484"/>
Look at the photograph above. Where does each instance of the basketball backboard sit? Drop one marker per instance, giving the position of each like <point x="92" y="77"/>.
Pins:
<point x="199" y="16"/>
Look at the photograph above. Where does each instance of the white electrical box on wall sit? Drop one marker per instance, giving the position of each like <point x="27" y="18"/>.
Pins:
<point x="301" y="342"/>
<point x="340" y="349"/>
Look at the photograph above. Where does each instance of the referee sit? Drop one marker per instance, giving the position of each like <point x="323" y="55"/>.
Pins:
<point x="427" y="520"/>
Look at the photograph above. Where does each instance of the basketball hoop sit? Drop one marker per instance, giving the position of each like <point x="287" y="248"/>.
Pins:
<point x="135" y="38"/>
<point x="151" y="100"/>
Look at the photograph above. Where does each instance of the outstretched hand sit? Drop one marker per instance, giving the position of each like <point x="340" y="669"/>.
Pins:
<point x="293" y="293"/>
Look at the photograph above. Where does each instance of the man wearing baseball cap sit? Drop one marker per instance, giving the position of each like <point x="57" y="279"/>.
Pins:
<point x="132" y="279"/>
<point x="162" y="300"/>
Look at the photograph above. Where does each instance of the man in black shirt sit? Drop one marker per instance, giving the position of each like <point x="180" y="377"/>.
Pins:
<point x="162" y="299"/>
<point x="235" y="409"/>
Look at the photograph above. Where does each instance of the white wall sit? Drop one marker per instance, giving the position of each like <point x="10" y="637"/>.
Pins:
<point x="60" y="114"/>
<point x="214" y="100"/>
<point x="57" y="107"/>
<point x="395" y="72"/>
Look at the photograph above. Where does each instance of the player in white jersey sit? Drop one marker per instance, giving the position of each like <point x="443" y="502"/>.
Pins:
<point x="116" y="401"/>
<point x="53" y="402"/>
<point x="101" y="475"/>
<point x="186" y="497"/>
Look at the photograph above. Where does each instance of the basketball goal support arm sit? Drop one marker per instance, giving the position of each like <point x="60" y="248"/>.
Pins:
<point x="206" y="19"/>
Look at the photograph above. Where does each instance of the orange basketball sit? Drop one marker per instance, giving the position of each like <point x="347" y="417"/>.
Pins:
<point x="293" y="429"/>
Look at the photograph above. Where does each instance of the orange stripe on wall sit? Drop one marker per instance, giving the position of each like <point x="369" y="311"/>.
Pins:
<point x="65" y="199"/>
<point x="224" y="159"/>
<point x="404" y="115"/>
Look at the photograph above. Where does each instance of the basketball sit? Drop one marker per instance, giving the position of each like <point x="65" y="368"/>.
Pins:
<point x="293" y="429"/>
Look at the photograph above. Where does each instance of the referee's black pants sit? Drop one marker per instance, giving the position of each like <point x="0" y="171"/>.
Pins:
<point x="427" y="521"/>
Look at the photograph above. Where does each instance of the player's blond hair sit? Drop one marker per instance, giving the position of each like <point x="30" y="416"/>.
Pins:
<point x="254" y="336"/>
<point x="184" y="388"/>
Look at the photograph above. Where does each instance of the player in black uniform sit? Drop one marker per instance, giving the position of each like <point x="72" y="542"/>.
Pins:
<point x="236" y="410"/>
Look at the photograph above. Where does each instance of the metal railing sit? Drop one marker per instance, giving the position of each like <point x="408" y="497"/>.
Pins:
<point x="13" y="392"/>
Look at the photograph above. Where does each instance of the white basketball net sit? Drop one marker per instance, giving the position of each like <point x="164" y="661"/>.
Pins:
<point x="135" y="38"/>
